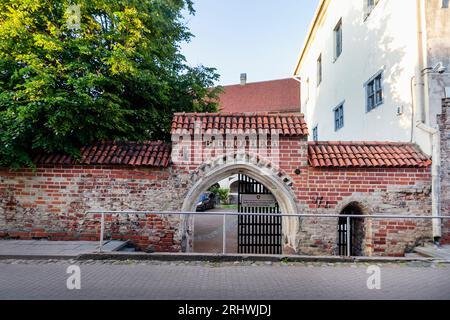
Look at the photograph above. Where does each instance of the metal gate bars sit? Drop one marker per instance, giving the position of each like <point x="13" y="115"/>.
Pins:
<point x="257" y="234"/>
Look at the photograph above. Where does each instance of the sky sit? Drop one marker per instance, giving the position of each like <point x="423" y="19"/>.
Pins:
<point x="262" y="38"/>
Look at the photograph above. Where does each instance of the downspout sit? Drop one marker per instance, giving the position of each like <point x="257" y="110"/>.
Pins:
<point x="419" y="84"/>
<point x="435" y="180"/>
<point x="420" y="123"/>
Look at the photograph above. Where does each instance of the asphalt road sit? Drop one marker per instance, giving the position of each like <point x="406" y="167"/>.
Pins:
<point x="227" y="281"/>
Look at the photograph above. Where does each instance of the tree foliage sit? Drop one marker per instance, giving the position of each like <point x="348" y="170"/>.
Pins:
<point x="119" y="76"/>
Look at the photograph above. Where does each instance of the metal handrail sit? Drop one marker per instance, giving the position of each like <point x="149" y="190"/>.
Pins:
<point x="225" y="214"/>
<point x="375" y="216"/>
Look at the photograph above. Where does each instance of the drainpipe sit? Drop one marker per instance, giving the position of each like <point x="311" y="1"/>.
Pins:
<point x="436" y="180"/>
<point x="419" y="84"/>
<point x="420" y="123"/>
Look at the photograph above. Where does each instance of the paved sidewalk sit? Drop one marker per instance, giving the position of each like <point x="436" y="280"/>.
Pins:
<point x="63" y="249"/>
<point x="209" y="232"/>
<point x="227" y="281"/>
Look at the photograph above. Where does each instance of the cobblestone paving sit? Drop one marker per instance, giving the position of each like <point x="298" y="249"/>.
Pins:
<point x="34" y="279"/>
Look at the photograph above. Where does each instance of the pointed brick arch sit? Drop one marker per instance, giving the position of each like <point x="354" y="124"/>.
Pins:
<point x="278" y="182"/>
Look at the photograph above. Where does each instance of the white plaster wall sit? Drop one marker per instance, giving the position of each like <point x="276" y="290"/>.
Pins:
<point x="437" y="50"/>
<point x="386" y="40"/>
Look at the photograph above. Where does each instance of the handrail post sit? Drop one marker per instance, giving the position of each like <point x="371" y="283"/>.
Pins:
<point x="102" y="230"/>
<point x="349" y="232"/>
<point x="224" y="235"/>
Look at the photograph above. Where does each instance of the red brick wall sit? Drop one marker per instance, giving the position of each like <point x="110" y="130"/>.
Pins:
<point x="446" y="233"/>
<point x="52" y="203"/>
<point x="396" y="191"/>
<point x="444" y="122"/>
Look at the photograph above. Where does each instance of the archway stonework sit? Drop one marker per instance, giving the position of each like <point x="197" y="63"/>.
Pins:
<point x="278" y="182"/>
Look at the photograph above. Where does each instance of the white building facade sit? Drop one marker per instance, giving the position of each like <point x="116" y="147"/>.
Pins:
<point x="376" y="70"/>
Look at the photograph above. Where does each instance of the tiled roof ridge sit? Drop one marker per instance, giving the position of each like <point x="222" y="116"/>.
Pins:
<point x="257" y="82"/>
<point x="232" y="114"/>
<point x="284" y="124"/>
<point x="366" y="143"/>
<point x="134" y="153"/>
<point x="344" y="154"/>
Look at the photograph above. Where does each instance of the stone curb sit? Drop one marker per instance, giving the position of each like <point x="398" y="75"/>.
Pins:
<point x="237" y="257"/>
<point x="138" y="256"/>
<point x="37" y="257"/>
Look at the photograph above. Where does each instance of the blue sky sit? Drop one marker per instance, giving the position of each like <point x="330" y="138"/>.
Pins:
<point x="262" y="38"/>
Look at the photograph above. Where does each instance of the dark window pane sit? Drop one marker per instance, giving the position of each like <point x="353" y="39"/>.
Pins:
<point x="375" y="92"/>
<point x="339" y="117"/>
<point x="379" y="97"/>
<point x="370" y="102"/>
<point x="338" y="39"/>
<point x="370" y="88"/>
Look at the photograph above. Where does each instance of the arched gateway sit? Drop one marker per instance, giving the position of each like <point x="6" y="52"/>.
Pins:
<point x="242" y="165"/>
<point x="249" y="145"/>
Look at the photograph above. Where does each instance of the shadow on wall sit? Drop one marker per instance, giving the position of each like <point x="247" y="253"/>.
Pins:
<point x="384" y="49"/>
<point x="390" y="54"/>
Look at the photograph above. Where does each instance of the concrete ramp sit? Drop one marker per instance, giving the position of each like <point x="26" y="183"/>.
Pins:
<point x="63" y="249"/>
<point x="431" y="251"/>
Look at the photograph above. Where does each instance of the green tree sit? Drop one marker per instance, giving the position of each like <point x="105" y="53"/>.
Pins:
<point x="118" y="75"/>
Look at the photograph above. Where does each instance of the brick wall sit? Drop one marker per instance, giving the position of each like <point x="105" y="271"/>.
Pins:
<point x="52" y="203"/>
<point x="396" y="191"/>
<point x="444" y="122"/>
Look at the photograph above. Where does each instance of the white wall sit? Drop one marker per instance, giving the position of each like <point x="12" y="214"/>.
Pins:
<point x="437" y="50"/>
<point x="386" y="40"/>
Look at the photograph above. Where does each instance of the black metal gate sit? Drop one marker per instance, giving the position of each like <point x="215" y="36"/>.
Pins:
<point x="257" y="234"/>
<point x="345" y="240"/>
<point x="343" y="237"/>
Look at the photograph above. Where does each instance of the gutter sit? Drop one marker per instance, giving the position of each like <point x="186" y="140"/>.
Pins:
<point x="322" y="6"/>
<point x="436" y="179"/>
<point x="420" y="124"/>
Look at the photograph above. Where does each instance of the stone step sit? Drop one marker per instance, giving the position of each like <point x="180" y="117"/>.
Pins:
<point x="431" y="251"/>
<point x="413" y="255"/>
<point x="114" y="245"/>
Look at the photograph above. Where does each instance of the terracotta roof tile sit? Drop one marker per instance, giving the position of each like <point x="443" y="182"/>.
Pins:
<point x="267" y="96"/>
<point x="366" y="154"/>
<point x="286" y="124"/>
<point x="152" y="154"/>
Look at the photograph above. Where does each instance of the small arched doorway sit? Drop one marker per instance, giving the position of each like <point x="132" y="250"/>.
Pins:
<point x="351" y="234"/>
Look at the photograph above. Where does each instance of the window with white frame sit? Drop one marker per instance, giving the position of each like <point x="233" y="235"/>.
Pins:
<point x="316" y="133"/>
<point x="339" y="117"/>
<point x="319" y="70"/>
<point x="374" y="92"/>
<point x="368" y="7"/>
<point x="445" y="4"/>
<point x="338" y="40"/>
